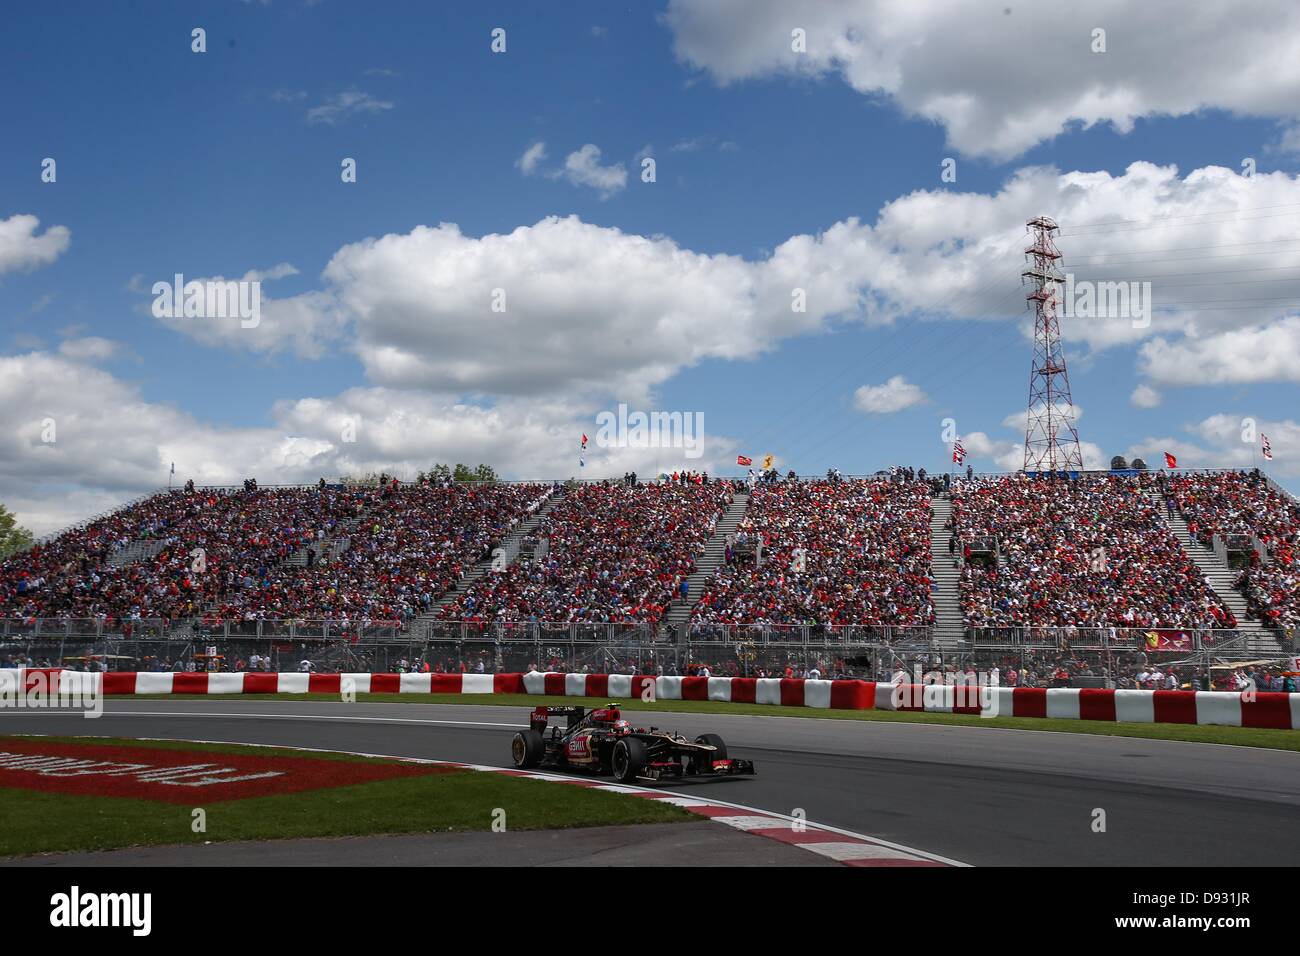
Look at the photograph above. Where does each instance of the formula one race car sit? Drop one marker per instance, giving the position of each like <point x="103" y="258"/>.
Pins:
<point x="600" y="741"/>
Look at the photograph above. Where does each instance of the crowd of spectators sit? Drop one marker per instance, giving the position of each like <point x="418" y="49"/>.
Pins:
<point x="616" y="552"/>
<point x="1237" y="505"/>
<point x="1232" y="503"/>
<point x="1273" y="590"/>
<point x="385" y="552"/>
<point x="84" y="547"/>
<point x="1092" y="551"/>
<point x="827" y="552"/>
<point x="209" y="538"/>
<point x="412" y="545"/>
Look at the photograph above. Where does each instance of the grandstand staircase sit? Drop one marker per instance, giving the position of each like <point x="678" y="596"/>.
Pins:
<point x="715" y="553"/>
<point x="1258" y="640"/>
<point x="140" y="549"/>
<point x="949" y="630"/>
<point x="328" y="548"/>
<point x="421" y="625"/>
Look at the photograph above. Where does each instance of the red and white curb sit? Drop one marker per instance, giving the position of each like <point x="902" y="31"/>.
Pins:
<point x="843" y="846"/>
<point x="1259" y="710"/>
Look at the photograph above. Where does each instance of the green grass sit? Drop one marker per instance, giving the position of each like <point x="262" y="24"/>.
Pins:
<point x="1194" y="733"/>
<point x="455" y="801"/>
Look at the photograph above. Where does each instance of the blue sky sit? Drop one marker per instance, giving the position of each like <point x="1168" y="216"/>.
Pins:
<point x="218" y="163"/>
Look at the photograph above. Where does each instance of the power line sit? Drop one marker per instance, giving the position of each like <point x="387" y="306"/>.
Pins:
<point x="1167" y="224"/>
<point x="1158" y="219"/>
<point x="946" y="336"/>
<point x="1214" y="245"/>
<point x="942" y="326"/>
<point x="1135" y="262"/>
<point x="974" y="323"/>
<point x="770" y="427"/>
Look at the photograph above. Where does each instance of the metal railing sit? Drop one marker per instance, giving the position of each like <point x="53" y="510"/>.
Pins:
<point x="372" y="631"/>
<point x="97" y="629"/>
<point x="1080" y="638"/>
<point x="1035" y="666"/>
<point x="918" y="636"/>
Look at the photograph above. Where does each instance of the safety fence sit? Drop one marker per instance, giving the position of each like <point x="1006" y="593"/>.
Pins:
<point x="1042" y="666"/>
<point x="365" y="631"/>
<point x="1119" y="638"/>
<point x="1260" y="710"/>
<point x="98" y="629"/>
<point x="422" y="629"/>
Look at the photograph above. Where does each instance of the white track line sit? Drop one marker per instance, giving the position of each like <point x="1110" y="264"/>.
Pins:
<point x="196" y="713"/>
<point x="899" y="722"/>
<point x="808" y="826"/>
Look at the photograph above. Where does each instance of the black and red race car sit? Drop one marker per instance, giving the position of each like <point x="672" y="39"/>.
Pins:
<point x="600" y="741"/>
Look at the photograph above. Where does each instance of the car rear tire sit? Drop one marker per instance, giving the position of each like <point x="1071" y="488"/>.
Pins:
<point x="527" y="749"/>
<point x="627" y="760"/>
<point x="704" y="763"/>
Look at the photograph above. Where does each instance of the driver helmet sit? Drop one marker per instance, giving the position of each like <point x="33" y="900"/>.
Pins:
<point x="622" y="727"/>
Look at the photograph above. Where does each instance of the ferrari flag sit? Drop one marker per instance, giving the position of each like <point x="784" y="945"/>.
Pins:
<point x="1170" y="461"/>
<point x="744" y="462"/>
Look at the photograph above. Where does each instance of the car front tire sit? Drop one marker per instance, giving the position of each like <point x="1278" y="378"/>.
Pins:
<point x="627" y="760"/>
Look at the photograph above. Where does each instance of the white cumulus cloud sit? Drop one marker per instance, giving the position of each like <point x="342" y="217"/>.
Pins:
<point x="1144" y="396"/>
<point x="532" y="156"/>
<point x="1003" y="78"/>
<point x="22" y="249"/>
<point x="582" y="167"/>
<point x="893" y="396"/>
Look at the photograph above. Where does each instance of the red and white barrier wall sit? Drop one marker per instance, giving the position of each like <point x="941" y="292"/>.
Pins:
<point x="1273" y="710"/>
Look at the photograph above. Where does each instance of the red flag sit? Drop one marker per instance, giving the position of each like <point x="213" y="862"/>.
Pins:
<point x="1170" y="461"/>
<point x="743" y="461"/>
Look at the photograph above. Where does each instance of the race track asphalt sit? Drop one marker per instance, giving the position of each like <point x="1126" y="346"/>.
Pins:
<point x="980" y="796"/>
<point x="651" y="844"/>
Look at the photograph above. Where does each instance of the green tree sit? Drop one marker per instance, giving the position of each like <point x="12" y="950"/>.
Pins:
<point x="13" y="537"/>
<point x="463" y="473"/>
<point x="485" y="473"/>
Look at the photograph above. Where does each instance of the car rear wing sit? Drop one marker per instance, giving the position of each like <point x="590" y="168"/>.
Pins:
<point x="541" y="716"/>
